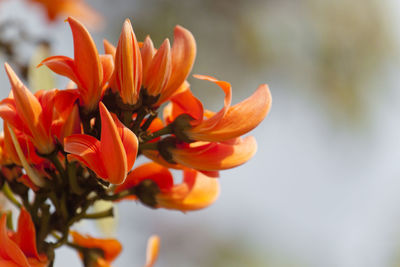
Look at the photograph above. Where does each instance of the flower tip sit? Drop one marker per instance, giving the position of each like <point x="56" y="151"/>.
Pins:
<point x="264" y="91"/>
<point x="14" y="80"/>
<point x="127" y="27"/>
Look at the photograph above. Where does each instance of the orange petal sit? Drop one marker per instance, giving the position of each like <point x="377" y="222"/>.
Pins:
<point x="238" y="120"/>
<point x="62" y="65"/>
<point x="152" y="171"/>
<point x="203" y="191"/>
<point x="25" y="237"/>
<point x="107" y="63"/>
<point x="226" y="87"/>
<point x="183" y="55"/>
<point x="8" y="112"/>
<point x="30" y="111"/>
<point x="112" y="150"/>
<point x="9" y="251"/>
<point x="128" y="64"/>
<point x="64" y="101"/>
<point x="155" y="78"/>
<point x="184" y="103"/>
<point x="109" y="49"/>
<point x="87" y="63"/>
<point x="129" y="141"/>
<point x="72" y="125"/>
<point x="223" y="155"/>
<point x="85" y="148"/>
<point x="153" y="247"/>
<point x="147" y="52"/>
<point x="7" y="263"/>
<point x="28" y="107"/>
<point x="155" y="156"/>
<point x="111" y="247"/>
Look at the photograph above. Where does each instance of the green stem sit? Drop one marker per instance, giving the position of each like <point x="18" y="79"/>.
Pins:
<point x="73" y="182"/>
<point x="139" y="118"/>
<point x="10" y="195"/>
<point x="54" y="159"/>
<point x="149" y="146"/>
<point x="100" y="215"/>
<point x="166" y="130"/>
<point x="118" y="196"/>
<point x="148" y="122"/>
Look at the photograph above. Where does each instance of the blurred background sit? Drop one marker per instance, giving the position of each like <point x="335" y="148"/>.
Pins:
<point x="324" y="187"/>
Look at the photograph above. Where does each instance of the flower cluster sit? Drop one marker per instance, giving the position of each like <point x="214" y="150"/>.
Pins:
<point x="63" y="150"/>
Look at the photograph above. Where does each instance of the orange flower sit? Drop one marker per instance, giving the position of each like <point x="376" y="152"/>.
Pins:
<point x="183" y="54"/>
<point x="111" y="157"/>
<point x="128" y="62"/>
<point x="28" y="114"/>
<point x="197" y="191"/>
<point x="88" y="70"/>
<point x="110" y="248"/>
<point x="214" y="156"/>
<point x="230" y="122"/>
<point x="19" y="248"/>
<point x="156" y="66"/>
<point x="161" y="72"/>
<point x="60" y="8"/>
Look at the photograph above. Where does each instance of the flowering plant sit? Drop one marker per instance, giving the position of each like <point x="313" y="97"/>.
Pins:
<point x="64" y="150"/>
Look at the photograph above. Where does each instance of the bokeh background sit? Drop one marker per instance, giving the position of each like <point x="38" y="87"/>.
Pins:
<point x="324" y="187"/>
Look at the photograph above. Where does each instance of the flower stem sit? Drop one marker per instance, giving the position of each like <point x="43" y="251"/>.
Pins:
<point x="100" y="215"/>
<point x="10" y="195"/>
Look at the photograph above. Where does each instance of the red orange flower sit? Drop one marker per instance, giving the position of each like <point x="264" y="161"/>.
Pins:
<point x="161" y="72"/>
<point x="214" y="156"/>
<point x="28" y="114"/>
<point x="128" y="65"/>
<point x="112" y="156"/>
<point x="229" y="122"/>
<point x="197" y="191"/>
<point x="89" y="70"/>
<point x="19" y="249"/>
<point x="110" y="248"/>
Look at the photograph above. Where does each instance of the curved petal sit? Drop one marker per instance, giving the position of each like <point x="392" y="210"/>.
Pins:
<point x="109" y="49"/>
<point x="27" y="106"/>
<point x="62" y="65"/>
<point x="152" y="171"/>
<point x="112" y="150"/>
<point x="8" y="112"/>
<point x="238" y="120"/>
<point x="64" y="101"/>
<point x="183" y="55"/>
<point x="129" y="141"/>
<point x="86" y="57"/>
<point x="107" y="63"/>
<point x="7" y="263"/>
<point x="147" y="52"/>
<point x="203" y="192"/>
<point x="226" y="87"/>
<point x="128" y="62"/>
<point x="223" y="155"/>
<point x="8" y="249"/>
<point x="184" y="103"/>
<point x="111" y="247"/>
<point x="25" y="237"/>
<point x="156" y="76"/>
<point x="85" y="148"/>
<point x="153" y="246"/>
<point x="30" y="111"/>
